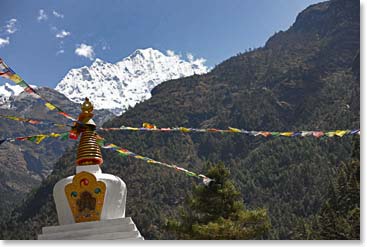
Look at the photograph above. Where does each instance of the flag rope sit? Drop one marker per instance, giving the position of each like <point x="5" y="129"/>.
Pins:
<point x="153" y="128"/>
<point x="37" y="138"/>
<point x="8" y="73"/>
<point x="34" y="121"/>
<point x="101" y="142"/>
<point x="314" y="133"/>
<point x="126" y="153"/>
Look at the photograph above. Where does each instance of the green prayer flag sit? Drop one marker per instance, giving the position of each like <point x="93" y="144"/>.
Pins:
<point x="64" y="136"/>
<point x="32" y="138"/>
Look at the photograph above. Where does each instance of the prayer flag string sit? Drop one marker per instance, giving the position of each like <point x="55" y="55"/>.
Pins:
<point x="315" y="133"/>
<point x="37" y="138"/>
<point x="121" y="151"/>
<point x="34" y="121"/>
<point x="8" y="73"/>
<point x="153" y="128"/>
<point x="126" y="153"/>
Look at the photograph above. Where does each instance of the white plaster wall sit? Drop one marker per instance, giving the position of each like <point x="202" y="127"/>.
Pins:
<point x="114" y="202"/>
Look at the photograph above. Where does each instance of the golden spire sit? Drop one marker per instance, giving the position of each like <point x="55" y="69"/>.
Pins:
<point x="89" y="152"/>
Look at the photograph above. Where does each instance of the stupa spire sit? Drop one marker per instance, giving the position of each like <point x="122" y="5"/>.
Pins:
<point x="89" y="152"/>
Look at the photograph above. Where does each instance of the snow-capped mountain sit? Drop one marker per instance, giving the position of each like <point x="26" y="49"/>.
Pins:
<point x="10" y="92"/>
<point x="7" y="90"/>
<point x="116" y="87"/>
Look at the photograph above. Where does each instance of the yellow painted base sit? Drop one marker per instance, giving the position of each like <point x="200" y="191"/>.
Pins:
<point x="86" y="197"/>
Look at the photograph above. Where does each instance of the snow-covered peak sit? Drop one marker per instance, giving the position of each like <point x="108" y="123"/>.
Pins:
<point x="7" y="90"/>
<point x="98" y="62"/>
<point x="116" y="87"/>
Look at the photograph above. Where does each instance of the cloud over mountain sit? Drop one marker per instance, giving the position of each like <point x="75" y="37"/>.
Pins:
<point x="85" y="50"/>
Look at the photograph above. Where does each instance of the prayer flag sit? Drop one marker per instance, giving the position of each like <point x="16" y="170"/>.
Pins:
<point x="50" y="106"/>
<point x="40" y="138"/>
<point x="318" y="134"/>
<point x="235" y="130"/>
<point x="341" y="133"/>
<point x="16" y="78"/>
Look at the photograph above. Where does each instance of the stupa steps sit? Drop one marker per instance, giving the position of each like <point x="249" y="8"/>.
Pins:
<point x="87" y="225"/>
<point x="123" y="228"/>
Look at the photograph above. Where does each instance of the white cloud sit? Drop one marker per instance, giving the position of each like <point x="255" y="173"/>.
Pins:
<point x="193" y="60"/>
<point x="42" y="15"/>
<point x="57" y="14"/>
<point x="85" y="51"/>
<point x="199" y="61"/>
<point x="8" y="29"/>
<point x="4" y="42"/>
<point x="106" y="47"/>
<point x="170" y="53"/>
<point x="62" y="34"/>
<point x="60" y="52"/>
<point x="10" y="26"/>
<point x="190" y="57"/>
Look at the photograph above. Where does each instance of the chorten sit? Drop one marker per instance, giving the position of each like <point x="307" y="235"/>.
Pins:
<point x="90" y="204"/>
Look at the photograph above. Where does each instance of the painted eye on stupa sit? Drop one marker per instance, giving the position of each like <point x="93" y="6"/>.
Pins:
<point x="97" y="190"/>
<point x="74" y="194"/>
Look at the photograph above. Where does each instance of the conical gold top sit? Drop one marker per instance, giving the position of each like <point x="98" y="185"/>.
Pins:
<point x="89" y="152"/>
<point x="87" y="107"/>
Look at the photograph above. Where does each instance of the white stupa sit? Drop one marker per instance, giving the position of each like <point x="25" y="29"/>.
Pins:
<point x="91" y="204"/>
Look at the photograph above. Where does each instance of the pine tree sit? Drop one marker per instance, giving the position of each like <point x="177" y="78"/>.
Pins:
<point x="340" y="216"/>
<point x="217" y="211"/>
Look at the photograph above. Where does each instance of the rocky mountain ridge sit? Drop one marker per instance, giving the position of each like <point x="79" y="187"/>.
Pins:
<point x="119" y="86"/>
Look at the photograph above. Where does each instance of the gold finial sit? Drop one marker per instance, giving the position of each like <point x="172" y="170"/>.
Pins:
<point x="89" y="152"/>
<point x="87" y="107"/>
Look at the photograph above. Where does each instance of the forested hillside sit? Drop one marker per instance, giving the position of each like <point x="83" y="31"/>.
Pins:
<point x="305" y="78"/>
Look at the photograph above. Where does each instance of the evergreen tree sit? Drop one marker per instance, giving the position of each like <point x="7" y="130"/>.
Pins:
<point x="340" y="216"/>
<point x="217" y="211"/>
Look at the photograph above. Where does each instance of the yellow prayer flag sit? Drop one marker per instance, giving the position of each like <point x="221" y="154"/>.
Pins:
<point x="340" y="133"/>
<point x="132" y="128"/>
<point x="54" y="135"/>
<point x="50" y="106"/>
<point x="183" y="129"/>
<point x="13" y="118"/>
<point x="286" y="133"/>
<point x="16" y="78"/>
<point x="40" y="138"/>
<point x="149" y="126"/>
<point x="330" y="134"/>
<point x="235" y="130"/>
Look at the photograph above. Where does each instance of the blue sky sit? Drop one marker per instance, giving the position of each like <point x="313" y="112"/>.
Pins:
<point x="42" y="40"/>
